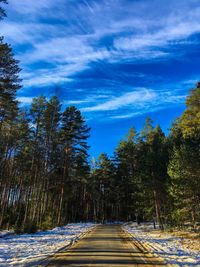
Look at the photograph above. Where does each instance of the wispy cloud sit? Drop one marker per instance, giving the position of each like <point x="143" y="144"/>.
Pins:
<point x="126" y="116"/>
<point x="128" y="105"/>
<point x="164" y="37"/>
<point x="140" y="97"/>
<point x="45" y="77"/>
<point x="138" y="102"/>
<point x="66" y="50"/>
<point x="88" y="99"/>
<point x="30" y="7"/>
<point x="24" y="100"/>
<point x="105" y="51"/>
<point x="73" y="34"/>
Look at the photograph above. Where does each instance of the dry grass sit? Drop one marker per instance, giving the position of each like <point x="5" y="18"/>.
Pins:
<point x="189" y="239"/>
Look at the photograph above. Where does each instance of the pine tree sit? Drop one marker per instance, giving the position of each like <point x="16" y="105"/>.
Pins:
<point x="184" y="166"/>
<point x="9" y="135"/>
<point x="73" y="136"/>
<point x="128" y="163"/>
<point x="105" y="181"/>
<point x="190" y="120"/>
<point x="155" y="170"/>
<point x="51" y="125"/>
<point x="9" y="83"/>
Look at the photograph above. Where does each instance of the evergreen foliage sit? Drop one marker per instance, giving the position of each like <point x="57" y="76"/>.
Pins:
<point x="46" y="180"/>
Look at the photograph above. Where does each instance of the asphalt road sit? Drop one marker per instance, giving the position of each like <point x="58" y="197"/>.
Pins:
<point x="105" y="246"/>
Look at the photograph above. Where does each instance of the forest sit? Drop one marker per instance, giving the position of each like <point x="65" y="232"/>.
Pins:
<point x="47" y="177"/>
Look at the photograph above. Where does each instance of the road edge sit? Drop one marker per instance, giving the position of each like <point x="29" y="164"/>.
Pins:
<point x="143" y="247"/>
<point x="44" y="262"/>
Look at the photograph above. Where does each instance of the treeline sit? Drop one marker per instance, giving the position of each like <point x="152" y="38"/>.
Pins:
<point x="46" y="178"/>
<point x="153" y="177"/>
<point x="43" y="156"/>
<point x="43" y="166"/>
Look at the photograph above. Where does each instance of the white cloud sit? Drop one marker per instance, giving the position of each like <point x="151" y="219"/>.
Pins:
<point x="66" y="50"/>
<point x="126" y="116"/>
<point x="29" y="6"/>
<point x="164" y="101"/>
<point x="138" y="102"/>
<point x="68" y="34"/>
<point x="75" y="102"/>
<point x="44" y="80"/>
<point x="138" y="97"/>
<point x="24" y="100"/>
<point x="57" y="75"/>
<point x="165" y="36"/>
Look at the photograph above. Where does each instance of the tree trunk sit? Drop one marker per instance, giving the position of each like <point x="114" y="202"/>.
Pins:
<point x="157" y="209"/>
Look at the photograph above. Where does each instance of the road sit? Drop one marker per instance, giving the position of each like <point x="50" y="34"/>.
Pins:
<point x="105" y="246"/>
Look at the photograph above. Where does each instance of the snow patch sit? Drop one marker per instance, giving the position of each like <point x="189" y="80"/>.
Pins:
<point x="164" y="245"/>
<point x="30" y="249"/>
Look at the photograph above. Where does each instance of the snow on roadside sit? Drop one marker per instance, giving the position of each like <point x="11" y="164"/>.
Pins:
<point x="165" y="245"/>
<point x="5" y="233"/>
<point x="28" y="249"/>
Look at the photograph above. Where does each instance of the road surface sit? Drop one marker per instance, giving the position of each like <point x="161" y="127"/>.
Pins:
<point x="105" y="246"/>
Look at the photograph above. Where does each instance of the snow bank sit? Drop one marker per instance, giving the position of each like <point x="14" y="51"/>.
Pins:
<point x="29" y="249"/>
<point x="165" y="245"/>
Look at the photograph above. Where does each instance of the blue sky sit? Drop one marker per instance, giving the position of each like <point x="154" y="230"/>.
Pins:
<point x="119" y="61"/>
